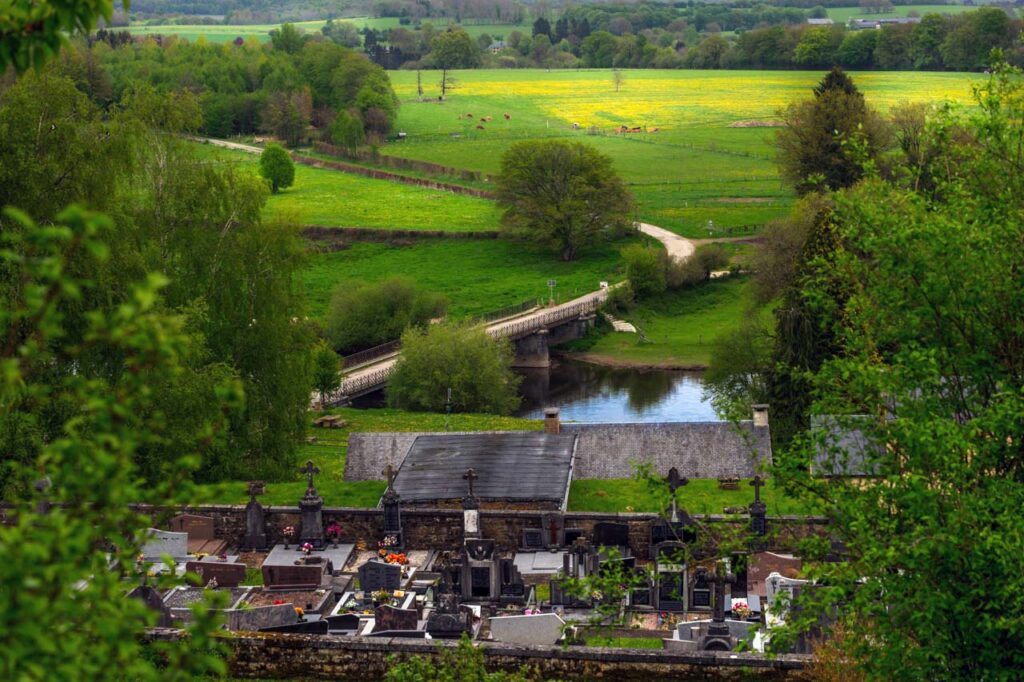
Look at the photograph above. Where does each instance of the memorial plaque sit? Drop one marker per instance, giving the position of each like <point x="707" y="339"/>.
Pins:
<point x="161" y="542"/>
<point x="607" y="534"/>
<point x="226" y="574"/>
<point x="292" y="577"/>
<point x="388" y="617"/>
<point x="701" y="597"/>
<point x="348" y="622"/>
<point x="378" y="575"/>
<point x="533" y="538"/>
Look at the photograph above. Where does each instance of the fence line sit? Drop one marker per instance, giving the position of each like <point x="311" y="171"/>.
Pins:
<point x="371" y="353"/>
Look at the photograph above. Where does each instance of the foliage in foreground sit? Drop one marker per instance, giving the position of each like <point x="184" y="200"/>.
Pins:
<point x="460" y="358"/>
<point x="464" y="663"/>
<point x="928" y="323"/>
<point x="63" y="609"/>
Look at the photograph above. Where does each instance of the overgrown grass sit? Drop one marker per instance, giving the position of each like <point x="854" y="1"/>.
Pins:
<point x="335" y="199"/>
<point x="700" y="496"/>
<point x="681" y="326"/>
<point x="477" y="276"/>
<point x="627" y="642"/>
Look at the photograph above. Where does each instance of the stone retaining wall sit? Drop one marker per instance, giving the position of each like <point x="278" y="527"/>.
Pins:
<point x="288" y="656"/>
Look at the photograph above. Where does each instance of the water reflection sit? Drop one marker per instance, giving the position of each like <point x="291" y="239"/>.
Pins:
<point x="592" y="393"/>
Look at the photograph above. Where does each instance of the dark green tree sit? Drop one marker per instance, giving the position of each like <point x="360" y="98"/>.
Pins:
<point x="462" y="358"/>
<point x="277" y="167"/>
<point x="326" y="371"/>
<point x="645" y="269"/>
<point x="453" y="49"/>
<point x="364" y="314"/>
<point x="347" y="131"/>
<point x="562" y="195"/>
<point x="826" y="141"/>
<point x="287" y="39"/>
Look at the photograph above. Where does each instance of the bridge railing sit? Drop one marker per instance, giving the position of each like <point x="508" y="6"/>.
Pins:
<point x="369" y="354"/>
<point x="363" y="382"/>
<point x="507" y="311"/>
<point x="558" y="315"/>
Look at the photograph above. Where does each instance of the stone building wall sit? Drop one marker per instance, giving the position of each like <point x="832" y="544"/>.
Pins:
<point x="291" y="656"/>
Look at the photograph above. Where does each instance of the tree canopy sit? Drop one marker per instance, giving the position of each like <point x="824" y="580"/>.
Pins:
<point x="277" y="167"/>
<point x="562" y="195"/>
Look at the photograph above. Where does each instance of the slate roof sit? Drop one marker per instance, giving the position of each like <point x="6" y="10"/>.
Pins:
<point x="515" y="466"/>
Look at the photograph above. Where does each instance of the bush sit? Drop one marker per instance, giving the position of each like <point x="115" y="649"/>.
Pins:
<point x="347" y="131"/>
<point x="620" y="299"/>
<point x="363" y="315"/>
<point x="645" y="269"/>
<point x="698" y="268"/>
<point x="277" y="167"/>
<point x="459" y="357"/>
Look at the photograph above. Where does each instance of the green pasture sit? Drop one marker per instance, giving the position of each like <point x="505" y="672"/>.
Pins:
<point x="841" y="15"/>
<point x="477" y="276"/>
<point x="334" y="199"/>
<point x="680" y="326"/>
<point x="698" y="166"/>
<point x="700" y="496"/>
<point x="218" y="33"/>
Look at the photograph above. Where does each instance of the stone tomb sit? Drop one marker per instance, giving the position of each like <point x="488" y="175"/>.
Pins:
<point x="607" y="534"/>
<point x="377" y="575"/>
<point x="543" y="629"/>
<point x="292" y="569"/>
<point x="162" y="542"/>
<point x="688" y="635"/>
<point x="226" y="573"/>
<point x="200" y="532"/>
<point x="387" y="618"/>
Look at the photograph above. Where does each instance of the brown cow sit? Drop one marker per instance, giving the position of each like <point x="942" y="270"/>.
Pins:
<point x="508" y="116"/>
<point x="469" y="115"/>
<point x="486" y="119"/>
<point x="479" y="127"/>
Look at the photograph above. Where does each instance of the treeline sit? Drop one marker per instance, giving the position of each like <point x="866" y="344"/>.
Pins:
<point x="294" y="87"/>
<point x="960" y="42"/>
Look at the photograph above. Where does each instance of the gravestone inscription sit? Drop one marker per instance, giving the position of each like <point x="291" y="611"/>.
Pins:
<point x="378" y="575"/>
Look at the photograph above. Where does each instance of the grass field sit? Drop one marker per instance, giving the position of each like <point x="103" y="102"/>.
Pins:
<point x="841" y="15"/>
<point x="694" y="169"/>
<point x="477" y="276"/>
<point x="680" y="326"/>
<point x="700" y="496"/>
<point x="334" y="199"/>
<point x="223" y="34"/>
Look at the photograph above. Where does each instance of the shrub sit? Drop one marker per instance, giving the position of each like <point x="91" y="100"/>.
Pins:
<point x="645" y="269"/>
<point x="347" y="131"/>
<point x="621" y="299"/>
<point x="459" y="357"/>
<point x="277" y="167"/>
<point x="362" y="315"/>
<point x="697" y="268"/>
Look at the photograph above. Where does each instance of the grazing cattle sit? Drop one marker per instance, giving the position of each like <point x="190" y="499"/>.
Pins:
<point x="508" y="116"/>
<point x="469" y="115"/>
<point x="652" y="130"/>
<point x="575" y="126"/>
<point x="623" y="129"/>
<point x="636" y="130"/>
<point x="479" y="127"/>
<point x="486" y="119"/>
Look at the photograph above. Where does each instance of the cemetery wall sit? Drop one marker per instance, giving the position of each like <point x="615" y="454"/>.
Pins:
<point x="287" y="656"/>
<point x="434" y="528"/>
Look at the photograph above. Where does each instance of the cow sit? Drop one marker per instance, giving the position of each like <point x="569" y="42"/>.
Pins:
<point x="469" y="115"/>
<point x="479" y="127"/>
<point x="486" y="119"/>
<point x="652" y="130"/>
<point x="508" y="116"/>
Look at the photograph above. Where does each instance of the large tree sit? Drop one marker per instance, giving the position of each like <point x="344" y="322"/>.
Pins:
<point x="929" y="359"/>
<point x="827" y="140"/>
<point x="562" y="195"/>
<point x="453" y="49"/>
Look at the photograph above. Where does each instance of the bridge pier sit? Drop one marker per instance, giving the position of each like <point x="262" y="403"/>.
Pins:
<point x="532" y="350"/>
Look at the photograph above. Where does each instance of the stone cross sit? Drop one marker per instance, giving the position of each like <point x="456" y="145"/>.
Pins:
<point x="553" y="529"/>
<point x="309" y="470"/>
<point x="720" y="579"/>
<point x="256" y="488"/>
<point x="675" y="482"/>
<point x="470" y="476"/>
<point x="757" y="483"/>
<point x="389" y="473"/>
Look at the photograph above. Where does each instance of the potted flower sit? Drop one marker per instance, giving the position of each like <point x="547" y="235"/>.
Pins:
<point x="306" y="548"/>
<point x="381" y="597"/>
<point x="289" y="532"/>
<point x="334" y="532"/>
<point x="741" y="610"/>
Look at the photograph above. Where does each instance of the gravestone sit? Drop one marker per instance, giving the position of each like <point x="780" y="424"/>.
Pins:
<point x="471" y="523"/>
<point x="311" y="505"/>
<point x="553" y="526"/>
<point x="391" y="505"/>
<point x="607" y="534"/>
<point x="255" y="520"/>
<point x="378" y="575"/>
<point x="763" y="564"/>
<point x="512" y="590"/>
<point x="701" y="592"/>
<point x="572" y="535"/>
<point x="780" y="589"/>
<point x="161" y="542"/>
<point x="255" y="618"/>
<point x="717" y="635"/>
<point x="447" y="620"/>
<point x="226" y="574"/>
<point x="544" y="629"/>
<point x="151" y="598"/>
<point x="470" y="501"/>
<point x="533" y="538"/>
<point x="200" y="531"/>
<point x="296" y="577"/>
<point x="758" y="515"/>
<point x="348" y="622"/>
<point x="388" y="617"/>
<point x="400" y="634"/>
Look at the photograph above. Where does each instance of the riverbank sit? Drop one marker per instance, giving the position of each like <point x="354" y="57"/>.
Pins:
<point x="615" y="362"/>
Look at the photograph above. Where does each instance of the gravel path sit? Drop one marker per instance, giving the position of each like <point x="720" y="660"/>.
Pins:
<point x="678" y="247"/>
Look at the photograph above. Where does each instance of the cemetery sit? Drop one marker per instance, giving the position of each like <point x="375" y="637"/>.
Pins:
<point x="471" y="539"/>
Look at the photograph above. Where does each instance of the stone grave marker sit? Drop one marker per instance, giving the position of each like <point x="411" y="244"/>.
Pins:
<point x="255" y="519"/>
<point x="779" y="589"/>
<point x="151" y="598"/>
<point x="225" y="573"/>
<point x="533" y="538"/>
<point x="541" y="629"/>
<point x="296" y="577"/>
<point x="348" y="622"/>
<point x="388" y="617"/>
<point x="607" y="534"/>
<point x="378" y="575"/>
<point x="553" y="526"/>
<point x="200" y="532"/>
<point x="763" y="564"/>
<point x="315" y="627"/>
<point x="161" y="542"/>
<point x="255" y="618"/>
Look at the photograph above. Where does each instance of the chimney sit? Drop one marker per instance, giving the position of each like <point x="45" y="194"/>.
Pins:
<point x="552" y="424"/>
<point x="760" y="415"/>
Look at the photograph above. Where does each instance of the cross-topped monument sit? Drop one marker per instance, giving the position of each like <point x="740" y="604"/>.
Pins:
<point x="389" y="475"/>
<point x="311" y="505"/>
<point x="717" y="636"/>
<point x="675" y="482"/>
<point x="310" y="469"/>
<point x="255" y="525"/>
<point x="470" y="501"/>
<point x="758" y="510"/>
<point x="392" y="511"/>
